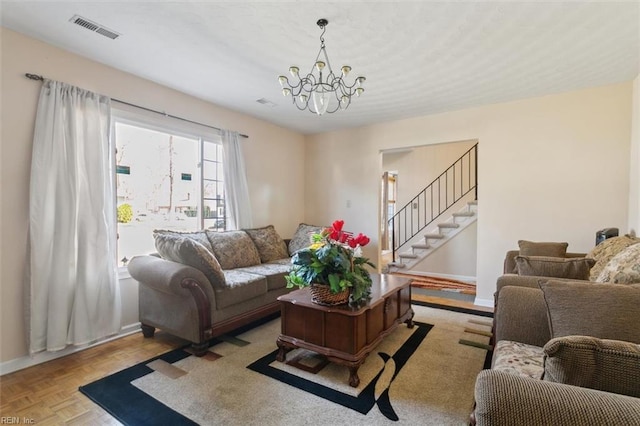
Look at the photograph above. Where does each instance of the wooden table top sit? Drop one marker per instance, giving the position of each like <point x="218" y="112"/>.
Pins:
<point x="382" y="285"/>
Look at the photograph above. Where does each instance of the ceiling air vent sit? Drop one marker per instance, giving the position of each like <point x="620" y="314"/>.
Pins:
<point x="96" y="28"/>
<point x="265" y="102"/>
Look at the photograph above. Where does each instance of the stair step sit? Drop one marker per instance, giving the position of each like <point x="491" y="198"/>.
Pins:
<point x="472" y="203"/>
<point x="448" y="225"/>
<point x="434" y="236"/>
<point x="408" y="256"/>
<point x="421" y="246"/>
<point x="464" y="214"/>
<point x="397" y="265"/>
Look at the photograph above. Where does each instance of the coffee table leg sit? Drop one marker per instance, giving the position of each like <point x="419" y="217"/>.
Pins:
<point x="282" y="352"/>
<point x="354" y="380"/>
<point x="409" y="321"/>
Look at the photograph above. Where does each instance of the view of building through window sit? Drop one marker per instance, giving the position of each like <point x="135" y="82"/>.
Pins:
<point x="160" y="185"/>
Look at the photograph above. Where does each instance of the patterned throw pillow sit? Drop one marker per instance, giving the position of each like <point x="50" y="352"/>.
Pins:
<point x="575" y="268"/>
<point x="190" y="252"/>
<point x="269" y="243"/>
<point x="199" y="236"/>
<point x="623" y="268"/>
<point x="606" y="250"/>
<point x="233" y="249"/>
<point x="302" y="237"/>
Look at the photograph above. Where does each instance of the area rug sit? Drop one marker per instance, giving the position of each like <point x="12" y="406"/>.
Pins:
<point x="421" y="375"/>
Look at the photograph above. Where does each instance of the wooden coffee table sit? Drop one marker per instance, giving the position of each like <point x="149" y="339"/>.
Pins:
<point x="343" y="334"/>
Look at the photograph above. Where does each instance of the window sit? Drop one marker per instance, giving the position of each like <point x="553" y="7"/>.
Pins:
<point x="166" y="178"/>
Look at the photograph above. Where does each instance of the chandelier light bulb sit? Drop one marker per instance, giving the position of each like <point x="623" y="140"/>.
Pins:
<point x="359" y="91"/>
<point x="345" y="70"/>
<point x="286" y="91"/>
<point x="304" y="98"/>
<point x="282" y="79"/>
<point x="320" y="65"/>
<point x="294" y="71"/>
<point x="360" y="80"/>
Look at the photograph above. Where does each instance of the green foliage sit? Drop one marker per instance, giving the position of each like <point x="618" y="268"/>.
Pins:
<point x="125" y="213"/>
<point x="334" y="264"/>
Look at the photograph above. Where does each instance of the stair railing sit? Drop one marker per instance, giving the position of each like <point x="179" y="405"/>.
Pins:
<point x="460" y="178"/>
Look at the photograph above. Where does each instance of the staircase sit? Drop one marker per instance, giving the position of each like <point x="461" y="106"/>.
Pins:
<point x="425" y="244"/>
<point x="430" y="219"/>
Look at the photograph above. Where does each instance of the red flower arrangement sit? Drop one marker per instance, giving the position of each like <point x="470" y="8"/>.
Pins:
<point x="334" y="259"/>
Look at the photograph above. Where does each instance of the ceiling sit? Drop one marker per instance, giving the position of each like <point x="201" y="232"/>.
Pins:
<point x="419" y="58"/>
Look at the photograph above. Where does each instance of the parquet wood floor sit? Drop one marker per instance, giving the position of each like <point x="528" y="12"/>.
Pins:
<point x="47" y="394"/>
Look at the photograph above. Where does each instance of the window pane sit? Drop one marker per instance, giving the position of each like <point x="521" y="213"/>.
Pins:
<point x="214" y="214"/>
<point x="158" y="178"/>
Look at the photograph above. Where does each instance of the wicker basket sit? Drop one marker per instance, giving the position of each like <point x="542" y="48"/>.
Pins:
<point x="322" y="295"/>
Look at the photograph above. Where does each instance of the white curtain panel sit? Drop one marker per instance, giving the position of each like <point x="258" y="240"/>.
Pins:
<point x="235" y="182"/>
<point x="73" y="294"/>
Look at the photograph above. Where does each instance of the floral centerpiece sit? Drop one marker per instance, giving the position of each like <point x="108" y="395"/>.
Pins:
<point x="333" y="263"/>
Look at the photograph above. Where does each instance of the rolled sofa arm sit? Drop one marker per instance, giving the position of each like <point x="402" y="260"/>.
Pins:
<point x="173" y="290"/>
<point x="167" y="276"/>
<point x="508" y="399"/>
<point x="521" y="316"/>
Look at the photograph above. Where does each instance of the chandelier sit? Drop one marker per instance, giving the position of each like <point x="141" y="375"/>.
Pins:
<point x="317" y="90"/>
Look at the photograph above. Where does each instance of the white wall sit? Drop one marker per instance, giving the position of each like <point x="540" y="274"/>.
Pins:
<point x="456" y="257"/>
<point x="550" y="168"/>
<point x="634" y="172"/>
<point x="277" y="198"/>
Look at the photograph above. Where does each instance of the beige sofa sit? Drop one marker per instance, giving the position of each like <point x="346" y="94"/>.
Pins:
<point x="566" y="353"/>
<point x="204" y="284"/>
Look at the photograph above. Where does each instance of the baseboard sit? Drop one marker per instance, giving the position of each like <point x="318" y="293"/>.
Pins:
<point x="488" y="303"/>
<point x="464" y="278"/>
<point x="29" y="361"/>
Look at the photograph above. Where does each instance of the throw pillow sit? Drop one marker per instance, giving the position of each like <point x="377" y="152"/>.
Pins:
<point x="302" y="237"/>
<point x="233" y="249"/>
<point x="550" y="249"/>
<point x="605" y="311"/>
<point x="269" y="244"/>
<point x="589" y="362"/>
<point x="575" y="268"/>
<point x="606" y="250"/>
<point x="199" y="236"/>
<point x="623" y="268"/>
<point x="190" y="252"/>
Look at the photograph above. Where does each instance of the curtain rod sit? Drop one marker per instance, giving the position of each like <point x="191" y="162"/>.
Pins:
<point x="41" y="78"/>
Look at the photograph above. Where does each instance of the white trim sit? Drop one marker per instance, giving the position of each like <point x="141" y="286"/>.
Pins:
<point x="465" y="278"/>
<point x="29" y="361"/>
<point x="487" y="303"/>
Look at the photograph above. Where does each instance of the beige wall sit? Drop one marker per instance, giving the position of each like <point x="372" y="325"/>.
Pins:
<point x="550" y="168"/>
<point x="634" y="172"/>
<point x="276" y="197"/>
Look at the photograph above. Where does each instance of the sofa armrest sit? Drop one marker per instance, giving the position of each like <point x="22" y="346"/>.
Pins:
<point x="508" y="399"/>
<point x="530" y="281"/>
<point x="168" y="277"/>
<point x="521" y="316"/>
